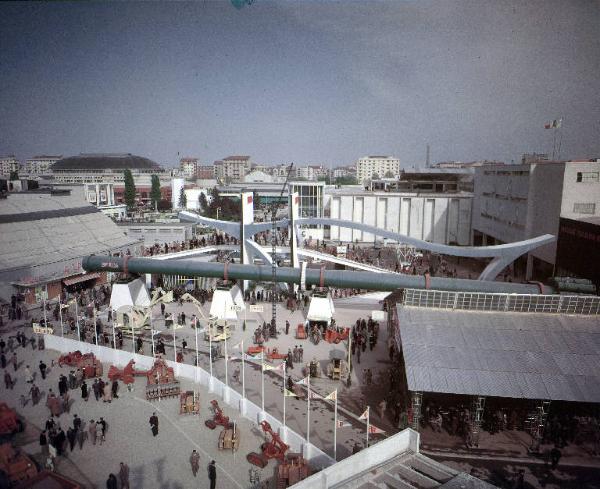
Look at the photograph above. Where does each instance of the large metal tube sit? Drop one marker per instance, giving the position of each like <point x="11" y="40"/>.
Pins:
<point x="334" y="278"/>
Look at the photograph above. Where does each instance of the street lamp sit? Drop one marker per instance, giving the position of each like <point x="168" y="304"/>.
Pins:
<point x="218" y="209"/>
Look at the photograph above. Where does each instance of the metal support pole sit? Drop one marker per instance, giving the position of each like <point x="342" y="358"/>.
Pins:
<point x="62" y="329"/>
<point x="152" y="332"/>
<point x="416" y="403"/>
<point x="538" y="428"/>
<point x="308" y="408"/>
<point x="477" y="408"/>
<point x="77" y="320"/>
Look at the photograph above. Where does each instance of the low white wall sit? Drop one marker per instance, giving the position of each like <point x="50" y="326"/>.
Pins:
<point x="248" y="409"/>
<point x="368" y="459"/>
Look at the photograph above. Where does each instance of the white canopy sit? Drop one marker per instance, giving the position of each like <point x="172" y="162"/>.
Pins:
<point x="130" y="294"/>
<point x="320" y="309"/>
<point x="222" y="305"/>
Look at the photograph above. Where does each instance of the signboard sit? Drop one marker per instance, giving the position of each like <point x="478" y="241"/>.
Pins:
<point x="41" y="330"/>
<point x="377" y="315"/>
<point x="256" y="308"/>
<point x="340" y="250"/>
<point x="235" y="308"/>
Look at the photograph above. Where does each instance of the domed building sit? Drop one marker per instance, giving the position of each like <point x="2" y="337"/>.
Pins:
<point x="103" y="177"/>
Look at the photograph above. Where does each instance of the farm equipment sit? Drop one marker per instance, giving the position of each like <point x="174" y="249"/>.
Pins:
<point x="126" y="374"/>
<point x="275" y="448"/>
<point x="292" y="470"/>
<point x="334" y="336"/>
<point x="9" y="422"/>
<point x="254" y="350"/>
<point x="17" y="466"/>
<point x="189" y="403"/>
<point x="313" y="369"/>
<point x="87" y="362"/>
<point x="219" y="418"/>
<point x="161" y="381"/>
<point x="337" y="369"/>
<point x="315" y="334"/>
<point x="229" y="438"/>
<point x="301" y="332"/>
<point x="272" y="355"/>
<point x="217" y="330"/>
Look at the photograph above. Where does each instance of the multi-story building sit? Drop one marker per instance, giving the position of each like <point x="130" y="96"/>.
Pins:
<point x="376" y="167"/>
<point x="344" y="171"/>
<point x="311" y="204"/>
<point x="205" y="172"/>
<point x="39" y="165"/>
<point x="517" y="202"/>
<point x="109" y="168"/>
<point x="440" y="215"/>
<point x="9" y="164"/>
<point x="232" y="168"/>
<point x="188" y="167"/>
<point x="312" y="172"/>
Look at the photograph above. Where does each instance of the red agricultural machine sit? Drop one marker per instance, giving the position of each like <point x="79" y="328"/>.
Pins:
<point x="272" y="355"/>
<point x="219" y="419"/>
<point x="275" y="448"/>
<point x="15" y="463"/>
<point x="126" y="374"/>
<point x="160" y="378"/>
<point x="301" y="332"/>
<point x="9" y="421"/>
<point x="87" y="362"/>
<point x="334" y="336"/>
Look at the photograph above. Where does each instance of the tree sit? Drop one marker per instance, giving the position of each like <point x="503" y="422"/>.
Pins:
<point x="347" y="180"/>
<point x="375" y="176"/>
<point x="14" y="175"/>
<point x="182" y="199"/>
<point x="203" y="203"/>
<point x="389" y="174"/>
<point x="155" y="195"/>
<point x="129" y="189"/>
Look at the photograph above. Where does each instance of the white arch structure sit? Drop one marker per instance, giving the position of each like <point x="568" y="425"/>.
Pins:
<point x="502" y="255"/>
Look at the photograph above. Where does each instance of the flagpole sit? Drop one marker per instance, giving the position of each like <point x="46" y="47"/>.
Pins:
<point x="335" y="428"/>
<point x="132" y="335"/>
<point x="284" y="368"/>
<point x="152" y="333"/>
<point x="262" y="374"/>
<point x="95" y="325"/>
<point x="226" y="357"/>
<point x="77" y="320"/>
<point x="308" y="409"/>
<point x="210" y="349"/>
<point x="174" y="344"/>
<point x="196" y="330"/>
<point x="243" y="373"/>
<point x="114" y="317"/>
<point x="368" y="415"/>
<point x="62" y="329"/>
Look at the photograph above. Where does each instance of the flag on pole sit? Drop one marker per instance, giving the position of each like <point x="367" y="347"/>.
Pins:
<point x="343" y="424"/>
<point x="304" y="381"/>
<point x="332" y="396"/>
<point x="313" y="395"/>
<point x="239" y="346"/>
<point x="364" y="415"/>
<point x="279" y="367"/>
<point x="287" y="393"/>
<point x="374" y="430"/>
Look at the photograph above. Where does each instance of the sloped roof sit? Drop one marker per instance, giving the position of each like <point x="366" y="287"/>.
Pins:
<point x="105" y="162"/>
<point x="516" y="355"/>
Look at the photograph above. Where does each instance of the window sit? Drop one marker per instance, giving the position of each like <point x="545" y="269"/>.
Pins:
<point x="584" y="208"/>
<point x="588" y="176"/>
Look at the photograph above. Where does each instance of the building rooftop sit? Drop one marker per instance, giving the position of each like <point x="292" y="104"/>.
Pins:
<point x="108" y="161"/>
<point x="505" y="354"/>
<point x="236" y="158"/>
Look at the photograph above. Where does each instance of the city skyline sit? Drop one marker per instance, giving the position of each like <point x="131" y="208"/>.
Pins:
<point x="311" y="83"/>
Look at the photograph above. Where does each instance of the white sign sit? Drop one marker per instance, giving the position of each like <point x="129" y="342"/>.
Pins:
<point x="256" y="308"/>
<point x="377" y="315"/>
<point x="235" y="308"/>
<point x="40" y="330"/>
<point x="341" y="250"/>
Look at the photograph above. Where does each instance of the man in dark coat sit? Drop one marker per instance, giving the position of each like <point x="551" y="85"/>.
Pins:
<point x="71" y="436"/>
<point x="154" y="424"/>
<point x="212" y="474"/>
<point x="43" y="368"/>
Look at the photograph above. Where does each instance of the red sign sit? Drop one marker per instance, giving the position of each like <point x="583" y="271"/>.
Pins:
<point x="249" y="199"/>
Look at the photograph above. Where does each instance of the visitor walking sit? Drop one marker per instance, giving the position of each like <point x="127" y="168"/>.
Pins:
<point x="195" y="462"/>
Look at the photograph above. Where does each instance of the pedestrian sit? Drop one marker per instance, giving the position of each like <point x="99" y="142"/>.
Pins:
<point x="301" y="354"/>
<point x="2" y="360"/>
<point x="41" y="343"/>
<point x="78" y="377"/>
<point x="103" y="428"/>
<point x="107" y="394"/>
<point x="296" y="354"/>
<point x="154" y="424"/>
<point x="287" y="327"/>
<point x="212" y="474"/>
<point x="60" y="441"/>
<point x="71" y="436"/>
<point x="236" y="373"/>
<point x="72" y="379"/>
<point x="115" y="388"/>
<point x="96" y="389"/>
<point x="65" y="400"/>
<point x="14" y="361"/>
<point x="195" y="462"/>
<point x="28" y="376"/>
<point x="8" y="382"/>
<point x="76" y="422"/>
<point x="124" y="475"/>
<point x="80" y="438"/>
<point x="43" y="368"/>
<point x="111" y="482"/>
<point x="2" y="345"/>
<point x="44" y="443"/>
<point x="93" y="431"/>
<point x="162" y="309"/>
<point x="84" y="391"/>
<point x="35" y="394"/>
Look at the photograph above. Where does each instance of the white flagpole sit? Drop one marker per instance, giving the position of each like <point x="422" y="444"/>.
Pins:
<point x="44" y="305"/>
<point x="284" y="396"/>
<point x="262" y="380"/>
<point x="62" y="329"/>
<point x="197" y="356"/>
<point x="95" y="325"/>
<point x="308" y="409"/>
<point x="77" y="320"/>
<point x="132" y="335"/>
<point x="210" y="349"/>
<point x="114" y="318"/>
<point x="174" y="344"/>
<point x="368" y="415"/>
<point x="243" y="373"/>
<point x="226" y="357"/>
<point x="335" y="428"/>
<point x="152" y="332"/>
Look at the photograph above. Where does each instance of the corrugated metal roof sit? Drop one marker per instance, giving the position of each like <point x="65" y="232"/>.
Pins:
<point x="518" y="355"/>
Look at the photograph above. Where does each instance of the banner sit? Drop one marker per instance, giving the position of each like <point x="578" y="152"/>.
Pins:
<point x="343" y="424"/>
<point x="313" y="395"/>
<point x="279" y="367"/>
<point x="304" y="381"/>
<point x="256" y="308"/>
<point x="374" y="430"/>
<point x="287" y="393"/>
<point x="332" y="396"/>
<point x="364" y="415"/>
<point x="41" y="330"/>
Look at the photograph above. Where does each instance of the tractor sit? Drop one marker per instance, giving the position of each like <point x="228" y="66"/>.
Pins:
<point x="219" y="418"/>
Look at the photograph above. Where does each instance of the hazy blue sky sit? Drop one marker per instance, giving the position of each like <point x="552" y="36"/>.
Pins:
<point x="298" y="81"/>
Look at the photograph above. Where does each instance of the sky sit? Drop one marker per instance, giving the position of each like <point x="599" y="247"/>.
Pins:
<point x="300" y="81"/>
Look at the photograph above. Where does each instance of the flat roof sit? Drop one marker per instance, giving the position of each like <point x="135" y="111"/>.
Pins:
<point x="503" y="354"/>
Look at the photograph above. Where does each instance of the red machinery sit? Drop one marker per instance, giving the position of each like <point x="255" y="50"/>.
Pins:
<point x="87" y="362"/>
<point x="161" y="381"/>
<point x="15" y="463"/>
<point x="275" y="448"/>
<point x="292" y="470"/>
<point x="334" y="336"/>
<point x="301" y="332"/>
<point x="272" y="355"/>
<point x="254" y="350"/>
<point x="9" y="422"/>
<point x="219" y="418"/>
<point x="125" y="375"/>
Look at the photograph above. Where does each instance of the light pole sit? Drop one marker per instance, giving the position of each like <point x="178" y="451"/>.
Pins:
<point x="218" y="209"/>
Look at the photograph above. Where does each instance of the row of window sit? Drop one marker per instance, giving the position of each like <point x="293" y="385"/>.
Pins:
<point x="588" y="176"/>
